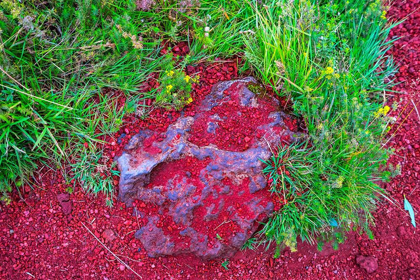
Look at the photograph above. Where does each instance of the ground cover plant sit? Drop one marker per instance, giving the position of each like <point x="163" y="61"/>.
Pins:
<point x="327" y="57"/>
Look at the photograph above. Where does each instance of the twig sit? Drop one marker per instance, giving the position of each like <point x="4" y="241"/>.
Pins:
<point x="395" y="132"/>
<point x="129" y="258"/>
<point x="170" y="276"/>
<point x="268" y="144"/>
<point x="185" y="264"/>
<point x="413" y="190"/>
<point x="224" y="222"/>
<point x="137" y="217"/>
<point x="97" y="239"/>
<point x="7" y="74"/>
<point x="415" y="107"/>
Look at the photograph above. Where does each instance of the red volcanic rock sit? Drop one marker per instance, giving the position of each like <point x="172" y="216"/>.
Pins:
<point x="65" y="203"/>
<point x="108" y="235"/>
<point x="199" y="185"/>
<point x="370" y="264"/>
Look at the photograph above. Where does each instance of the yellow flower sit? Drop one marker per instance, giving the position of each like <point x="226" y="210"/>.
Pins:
<point x="382" y="111"/>
<point x="189" y="100"/>
<point x="378" y="113"/>
<point x="383" y="16"/>
<point x="329" y="70"/>
<point x="336" y="75"/>
<point x="386" y="110"/>
<point x="187" y="78"/>
<point x="168" y="88"/>
<point x="170" y="73"/>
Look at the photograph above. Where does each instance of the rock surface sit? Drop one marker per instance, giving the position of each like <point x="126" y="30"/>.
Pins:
<point x="108" y="235"/>
<point x="199" y="187"/>
<point x="65" y="203"/>
<point x="369" y="263"/>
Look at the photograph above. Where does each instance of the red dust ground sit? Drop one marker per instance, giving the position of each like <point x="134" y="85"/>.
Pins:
<point x="37" y="241"/>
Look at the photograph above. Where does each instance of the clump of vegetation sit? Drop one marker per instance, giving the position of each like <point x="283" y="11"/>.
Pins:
<point x="175" y="87"/>
<point x="330" y="59"/>
<point x="91" y="169"/>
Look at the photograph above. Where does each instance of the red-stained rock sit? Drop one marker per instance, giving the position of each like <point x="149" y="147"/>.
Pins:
<point x="108" y="235"/>
<point x="65" y="203"/>
<point x="369" y="263"/>
<point x="204" y="174"/>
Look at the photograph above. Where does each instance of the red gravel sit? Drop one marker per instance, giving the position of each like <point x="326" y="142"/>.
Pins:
<point x="233" y="134"/>
<point x="215" y="229"/>
<point x="39" y="241"/>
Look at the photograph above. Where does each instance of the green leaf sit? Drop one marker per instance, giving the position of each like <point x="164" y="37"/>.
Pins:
<point x="320" y="246"/>
<point x="40" y="137"/>
<point x="409" y="208"/>
<point x="225" y="264"/>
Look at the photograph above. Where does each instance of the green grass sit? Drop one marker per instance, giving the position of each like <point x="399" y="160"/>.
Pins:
<point x="328" y="57"/>
<point x="93" y="173"/>
<point x="331" y="61"/>
<point x="278" y="48"/>
<point x="57" y="57"/>
<point x="54" y="63"/>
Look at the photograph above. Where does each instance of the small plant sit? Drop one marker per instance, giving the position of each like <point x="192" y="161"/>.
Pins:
<point x="249" y="244"/>
<point x="69" y="190"/>
<point x="330" y="60"/>
<point x="92" y="172"/>
<point x="225" y="264"/>
<point x="175" y="87"/>
<point x="393" y="171"/>
<point x="5" y="198"/>
<point x="256" y="88"/>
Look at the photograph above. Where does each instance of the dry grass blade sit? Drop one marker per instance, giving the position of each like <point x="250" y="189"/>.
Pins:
<point x="7" y="74"/>
<point x="399" y="126"/>
<point x="121" y="261"/>
<point x="418" y="115"/>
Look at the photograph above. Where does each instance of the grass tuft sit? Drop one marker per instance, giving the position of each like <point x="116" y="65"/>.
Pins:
<point x="330" y="59"/>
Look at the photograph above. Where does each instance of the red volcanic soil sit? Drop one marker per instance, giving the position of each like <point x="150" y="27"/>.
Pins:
<point x="39" y="241"/>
